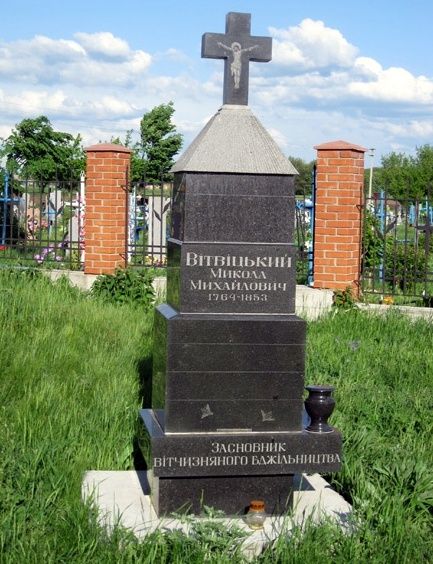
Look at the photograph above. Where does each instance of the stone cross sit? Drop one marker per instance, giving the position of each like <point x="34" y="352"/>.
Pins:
<point x="238" y="47"/>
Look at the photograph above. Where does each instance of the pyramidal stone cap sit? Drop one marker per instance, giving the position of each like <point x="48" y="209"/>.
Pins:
<point x="234" y="141"/>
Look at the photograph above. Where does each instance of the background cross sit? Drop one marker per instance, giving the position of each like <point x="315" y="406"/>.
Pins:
<point x="6" y="200"/>
<point x="238" y="47"/>
<point x="428" y="230"/>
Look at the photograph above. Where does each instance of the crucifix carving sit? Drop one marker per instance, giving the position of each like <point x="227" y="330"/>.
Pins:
<point x="237" y="47"/>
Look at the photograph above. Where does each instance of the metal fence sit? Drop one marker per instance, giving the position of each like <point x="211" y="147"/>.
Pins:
<point x="304" y="233"/>
<point x="304" y="236"/>
<point x="41" y="223"/>
<point x="149" y="220"/>
<point x="397" y="250"/>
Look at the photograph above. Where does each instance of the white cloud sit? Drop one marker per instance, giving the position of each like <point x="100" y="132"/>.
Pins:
<point x="110" y="106"/>
<point x="367" y="68"/>
<point x="317" y="88"/>
<point x="98" y="58"/>
<point x="56" y="103"/>
<point x="176" y="55"/>
<point x="311" y="45"/>
<point x="103" y="43"/>
<point x="412" y="128"/>
<point x="393" y="85"/>
<point x="315" y="63"/>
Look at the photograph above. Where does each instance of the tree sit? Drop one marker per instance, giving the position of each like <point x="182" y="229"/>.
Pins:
<point x="304" y="178"/>
<point x="34" y="149"/>
<point x="153" y="155"/>
<point x="424" y="159"/>
<point x="398" y="175"/>
<point x="407" y="177"/>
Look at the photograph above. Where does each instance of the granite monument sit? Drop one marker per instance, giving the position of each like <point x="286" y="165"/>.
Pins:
<point x="227" y="423"/>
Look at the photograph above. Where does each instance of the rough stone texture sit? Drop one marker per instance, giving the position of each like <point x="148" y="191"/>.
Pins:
<point x="228" y="371"/>
<point x="249" y="208"/>
<point x="234" y="141"/>
<point x="312" y="303"/>
<point x="182" y="416"/>
<point x="205" y="328"/>
<point x="184" y="386"/>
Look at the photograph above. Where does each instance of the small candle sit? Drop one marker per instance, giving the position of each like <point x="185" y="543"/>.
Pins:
<point x="256" y="516"/>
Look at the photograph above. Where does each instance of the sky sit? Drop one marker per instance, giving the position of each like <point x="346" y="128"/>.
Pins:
<point x="360" y="72"/>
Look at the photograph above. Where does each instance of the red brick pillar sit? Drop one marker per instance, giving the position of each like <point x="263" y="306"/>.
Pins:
<point x="106" y="207"/>
<point x="338" y="209"/>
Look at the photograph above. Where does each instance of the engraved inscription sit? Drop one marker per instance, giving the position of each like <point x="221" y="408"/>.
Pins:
<point x="197" y="259"/>
<point x="243" y="281"/>
<point x="246" y="454"/>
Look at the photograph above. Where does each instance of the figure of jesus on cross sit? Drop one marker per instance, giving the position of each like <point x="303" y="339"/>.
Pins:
<point x="236" y="66"/>
<point x="235" y="47"/>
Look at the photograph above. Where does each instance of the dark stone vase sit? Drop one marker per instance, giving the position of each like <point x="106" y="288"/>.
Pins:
<point x="319" y="406"/>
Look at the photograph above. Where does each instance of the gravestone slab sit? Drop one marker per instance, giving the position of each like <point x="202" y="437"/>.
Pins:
<point x="159" y="206"/>
<point x="233" y="278"/>
<point x="227" y="423"/>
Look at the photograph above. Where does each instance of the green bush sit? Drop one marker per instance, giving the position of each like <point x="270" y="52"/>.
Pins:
<point x="344" y="299"/>
<point x="125" y="287"/>
<point x="372" y="241"/>
<point x="301" y="271"/>
<point x="401" y="265"/>
<point x="404" y="265"/>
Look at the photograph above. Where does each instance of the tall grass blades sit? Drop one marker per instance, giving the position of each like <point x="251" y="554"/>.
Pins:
<point x="70" y="393"/>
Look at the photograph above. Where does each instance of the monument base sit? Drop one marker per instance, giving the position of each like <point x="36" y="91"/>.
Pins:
<point x="226" y="471"/>
<point x="231" y="494"/>
<point x="121" y="498"/>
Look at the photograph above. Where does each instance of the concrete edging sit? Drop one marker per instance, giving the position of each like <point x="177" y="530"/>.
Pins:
<point x="122" y="498"/>
<point x="410" y="311"/>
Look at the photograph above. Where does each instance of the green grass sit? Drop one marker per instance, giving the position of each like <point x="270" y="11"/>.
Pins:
<point x="382" y="370"/>
<point x="70" y="393"/>
<point x="70" y="390"/>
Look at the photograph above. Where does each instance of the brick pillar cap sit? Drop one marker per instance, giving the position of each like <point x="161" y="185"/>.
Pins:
<point x="108" y="148"/>
<point x="340" y="146"/>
